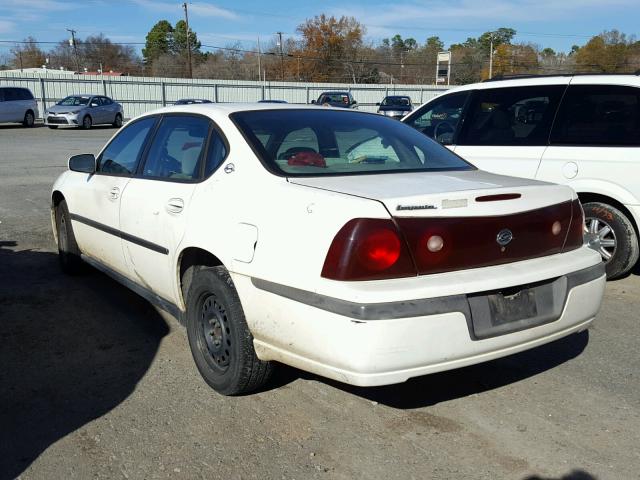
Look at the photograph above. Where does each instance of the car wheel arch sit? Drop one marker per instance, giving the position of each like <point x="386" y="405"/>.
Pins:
<point x="188" y="261"/>
<point x="589" y="197"/>
<point x="56" y="198"/>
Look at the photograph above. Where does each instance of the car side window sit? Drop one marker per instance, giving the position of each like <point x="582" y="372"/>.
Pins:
<point x="177" y="148"/>
<point x="216" y="154"/>
<point x="106" y="101"/>
<point x="440" y="119"/>
<point x="95" y="102"/>
<point x="598" y="115"/>
<point x="511" y="116"/>
<point x="11" y="94"/>
<point x="122" y="155"/>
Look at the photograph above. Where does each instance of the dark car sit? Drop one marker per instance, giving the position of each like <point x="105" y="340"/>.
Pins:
<point x="272" y="101"/>
<point x="191" y="101"/>
<point x="396" y="106"/>
<point x="336" y="99"/>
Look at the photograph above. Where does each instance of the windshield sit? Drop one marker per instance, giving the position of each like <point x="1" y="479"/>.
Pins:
<point x="396" y="101"/>
<point x="329" y="142"/>
<point x="74" y="101"/>
<point x="334" y="97"/>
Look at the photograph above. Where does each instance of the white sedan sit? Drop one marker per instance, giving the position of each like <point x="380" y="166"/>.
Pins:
<point x="339" y="242"/>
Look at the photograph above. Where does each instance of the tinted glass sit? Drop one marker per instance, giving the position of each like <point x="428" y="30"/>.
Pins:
<point x="74" y="101"/>
<point x="2" y="94"/>
<point x="96" y="102"/>
<point x="396" y="101"/>
<point x="122" y="155"/>
<point x="177" y="148"/>
<point x="439" y="119"/>
<point x="26" y="94"/>
<point x="511" y="116"/>
<point x="216" y="154"/>
<point x="332" y="142"/>
<point x="598" y="115"/>
<point x="106" y="101"/>
<point x="11" y="94"/>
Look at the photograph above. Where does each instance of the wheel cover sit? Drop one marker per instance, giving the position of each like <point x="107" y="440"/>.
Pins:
<point x="605" y="234"/>
<point x="86" y="122"/>
<point x="215" y="332"/>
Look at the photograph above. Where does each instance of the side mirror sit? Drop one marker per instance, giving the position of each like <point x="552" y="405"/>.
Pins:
<point x="353" y="102"/>
<point x="378" y="104"/>
<point x="84" y="163"/>
<point x="313" y="102"/>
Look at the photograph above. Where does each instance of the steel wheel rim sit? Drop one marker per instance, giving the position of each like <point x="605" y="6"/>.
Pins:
<point x="215" y="332"/>
<point x="605" y="234"/>
<point x="62" y="234"/>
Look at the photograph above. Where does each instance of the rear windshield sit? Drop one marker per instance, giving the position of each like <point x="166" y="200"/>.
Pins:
<point x="74" y="101"/>
<point x="396" y="101"/>
<point x="329" y="142"/>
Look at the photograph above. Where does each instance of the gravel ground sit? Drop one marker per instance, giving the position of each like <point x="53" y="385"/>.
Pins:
<point x="95" y="383"/>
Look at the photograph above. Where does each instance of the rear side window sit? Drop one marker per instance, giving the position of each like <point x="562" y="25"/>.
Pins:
<point x="217" y="153"/>
<point x="122" y="155"/>
<point x="106" y="101"/>
<point x="177" y="148"/>
<point x="511" y="116"/>
<point x="440" y="119"/>
<point x="598" y="115"/>
<point x="25" y="94"/>
<point x="11" y="94"/>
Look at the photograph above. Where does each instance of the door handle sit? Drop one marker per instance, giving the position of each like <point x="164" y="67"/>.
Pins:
<point x="175" y="205"/>
<point x="114" y="193"/>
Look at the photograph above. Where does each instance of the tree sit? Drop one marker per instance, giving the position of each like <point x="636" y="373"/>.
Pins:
<point x="179" y="44"/>
<point x="158" y="41"/>
<point x="28" y="54"/>
<point x="327" y="42"/>
<point x="609" y="52"/>
<point x="98" y="50"/>
<point x="434" y="44"/>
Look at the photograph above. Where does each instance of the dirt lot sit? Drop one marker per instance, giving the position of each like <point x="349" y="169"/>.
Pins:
<point x="94" y="383"/>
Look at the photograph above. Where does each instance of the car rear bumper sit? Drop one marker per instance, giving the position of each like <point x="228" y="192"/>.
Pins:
<point x="379" y="344"/>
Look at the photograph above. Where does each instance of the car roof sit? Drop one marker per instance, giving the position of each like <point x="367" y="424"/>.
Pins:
<point x="626" y="79"/>
<point x="335" y="92"/>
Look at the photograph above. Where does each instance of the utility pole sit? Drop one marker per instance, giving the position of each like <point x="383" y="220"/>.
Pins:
<point x="186" y="19"/>
<point x="75" y="47"/>
<point x="491" y="56"/>
<point x="281" y="55"/>
<point x="259" y="61"/>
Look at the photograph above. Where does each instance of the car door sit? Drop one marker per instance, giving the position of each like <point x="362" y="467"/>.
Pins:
<point x="440" y="119"/>
<point x="595" y="142"/>
<point x="12" y="105"/>
<point x="94" y="200"/>
<point x="506" y="130"/>
<point x="4" y="106"/>
<point x="109" y="108"/>
<point x="97" y="110"/>
<point x="155" y="204"/>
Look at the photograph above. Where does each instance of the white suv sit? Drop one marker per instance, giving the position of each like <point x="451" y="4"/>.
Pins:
<point x="17" y="105"/>
<point x="579" y="130"/>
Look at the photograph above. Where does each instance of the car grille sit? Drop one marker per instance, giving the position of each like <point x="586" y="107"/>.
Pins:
<point x="57" y="120"/>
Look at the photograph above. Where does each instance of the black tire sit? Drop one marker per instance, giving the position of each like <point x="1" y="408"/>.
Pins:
<point x="52" y="127"/>
<point x="68" y="251"/>
<point x="220" y="340"/>
<point x="118" y="121"/>
<point x="29" y="119"/>
<point x="87" y="122"/>
<point x="623" y="255"/>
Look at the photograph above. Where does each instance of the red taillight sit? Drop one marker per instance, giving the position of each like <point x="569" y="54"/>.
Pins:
<point x="368" y="249"/>
<point x="575" y="235"/>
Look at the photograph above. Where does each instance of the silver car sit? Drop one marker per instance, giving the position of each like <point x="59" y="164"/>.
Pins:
<point x="84" y="111"/>
<point x="17" y="105"/>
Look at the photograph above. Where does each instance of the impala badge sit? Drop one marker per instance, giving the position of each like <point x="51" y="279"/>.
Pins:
<point x="504" y="237"/>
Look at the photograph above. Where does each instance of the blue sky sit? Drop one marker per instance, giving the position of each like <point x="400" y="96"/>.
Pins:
<point x="549" y="23"/>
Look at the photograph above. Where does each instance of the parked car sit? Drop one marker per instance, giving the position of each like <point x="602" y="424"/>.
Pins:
<point x="191" y="101"/>
<point x="17" y="105"/>
<point x="396" y="106"/>
<point x="84" y="111"/>
<point x="581" y="130"/>
<point x="272" y="101"/>
<point x="340" y="242"/>
<point x="336" y="99"/>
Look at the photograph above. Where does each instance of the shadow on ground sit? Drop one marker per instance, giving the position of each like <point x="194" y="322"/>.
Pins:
<point x="441" y="387"/>
<point x="573" y="475"/>
<point x="72" y="349"/>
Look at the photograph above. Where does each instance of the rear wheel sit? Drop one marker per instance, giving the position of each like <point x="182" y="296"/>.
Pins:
<point x="68" y="251"/>
<point x="618" y="240"/>
<point x="86" y="122"/>
<point x="118" y="121"/>
<point x="220" y="340"/>
<point x="29" y="119"/>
